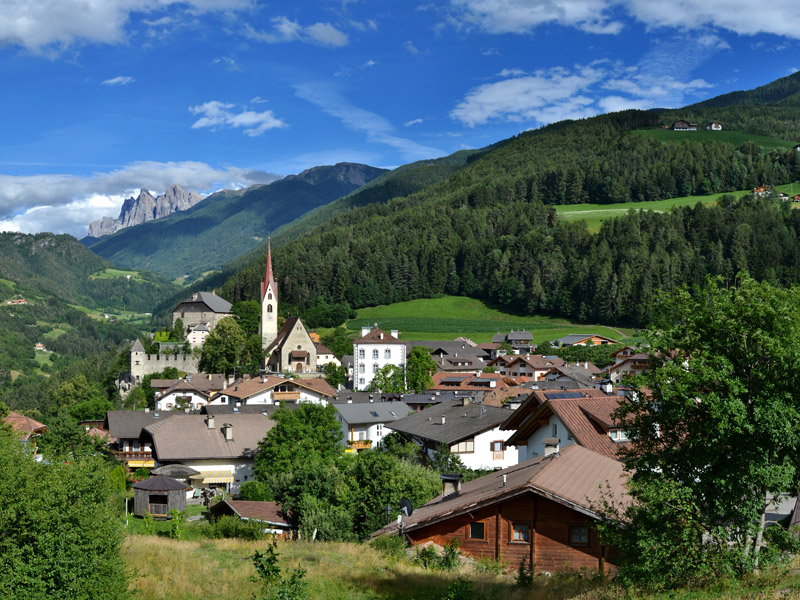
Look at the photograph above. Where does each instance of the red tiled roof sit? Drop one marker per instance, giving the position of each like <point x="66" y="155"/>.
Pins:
<point x="379" y="336"/>
<point x="472" y="382"/>
<point x="24" y="425"/>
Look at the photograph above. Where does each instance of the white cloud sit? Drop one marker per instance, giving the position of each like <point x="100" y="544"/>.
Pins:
<point x="414" y="122"/>
<point x="535" y="97"/>
<point x="42" y="25"/>
<point x="551" y="95"/>
<point x="511" y="73"/>
<point x="230" y="63"/>
<point x="522" y="16"/>
<point x="67" y="204"/>
<point x="120" y="80"/>
<point x="285" y="30"/>
<point x="410" y="47"/>
<point x="217" y="114"/>
<point x="490" y="52"/>
<point x="377" y="128"/>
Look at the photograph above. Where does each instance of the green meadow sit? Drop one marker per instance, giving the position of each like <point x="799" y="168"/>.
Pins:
<point x="448" y="317"/>
<point x="736" y="138"/>
<point x="115" y="274"/>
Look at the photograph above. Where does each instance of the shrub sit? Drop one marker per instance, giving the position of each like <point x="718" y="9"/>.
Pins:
<point x="393" y="546"/>
<point x="176" y="524"/>
<point x="228" y="526"/>
<point x="524" y="576"/>
<point x="278" y="587"/>
<point x="428" y="558"/>
<point x="255" y="490"/>
<point x="460" y="589"/>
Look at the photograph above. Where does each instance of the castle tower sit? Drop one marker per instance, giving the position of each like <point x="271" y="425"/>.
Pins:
<point x="269" y="303"/>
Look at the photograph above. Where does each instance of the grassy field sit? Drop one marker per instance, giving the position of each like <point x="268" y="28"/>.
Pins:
<point x="448" y="317"/>
<point x="595" y="214"/>
<point x="116" y="273"/>
<point x="735" y="138"/>
<point x="165" y="569"/>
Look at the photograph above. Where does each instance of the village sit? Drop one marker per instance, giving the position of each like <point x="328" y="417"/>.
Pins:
<point x="541" y="428"/>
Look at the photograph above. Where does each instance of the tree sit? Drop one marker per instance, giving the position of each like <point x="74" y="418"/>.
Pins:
<point x="419" y="368"/>
<point x="299" y="436"/>
<point x="223" y="347"/>
<point x="248" y="315"/>
<point x="335" y="375"/>
<point x="388" y="380"/>
<point x="717" y="418"/>
<point x="60" y="534"/>
<point x="338" y="341"/>
<point x="178" y="331"/>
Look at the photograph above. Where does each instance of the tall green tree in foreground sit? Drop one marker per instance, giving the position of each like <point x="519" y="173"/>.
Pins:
<point x="224" y="347"/>
<point x="60" y="535"/>
<point x="419" y="368"/>
<point x="715" y="429"/>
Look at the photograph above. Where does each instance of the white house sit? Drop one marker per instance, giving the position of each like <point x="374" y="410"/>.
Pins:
<point x="197" y="335"/>
<point x="470" y="430"/>
<point x="374" y="350"/>
<point x="364" y="423"/>
<point x="272" y="390"/>
<point x="325" y="355"/>
<point x="183" y="394"/>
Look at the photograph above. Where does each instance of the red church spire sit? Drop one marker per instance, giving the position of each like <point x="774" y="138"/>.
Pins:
<point x="268" y="278"/>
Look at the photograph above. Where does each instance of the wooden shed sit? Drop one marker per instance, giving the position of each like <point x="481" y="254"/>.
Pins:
<point x="158" y="495"/>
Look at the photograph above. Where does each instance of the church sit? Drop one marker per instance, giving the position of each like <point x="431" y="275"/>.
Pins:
<point x="290" y="349"/>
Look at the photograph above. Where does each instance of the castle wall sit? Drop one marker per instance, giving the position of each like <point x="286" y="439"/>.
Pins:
<point x="147" y="364"/>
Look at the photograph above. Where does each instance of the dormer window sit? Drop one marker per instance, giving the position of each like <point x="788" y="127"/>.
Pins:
<point x="618" y="435"/>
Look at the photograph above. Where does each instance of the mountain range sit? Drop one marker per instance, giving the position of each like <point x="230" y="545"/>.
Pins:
<point x="143" y="208"/>
<point x="227" y="224"/>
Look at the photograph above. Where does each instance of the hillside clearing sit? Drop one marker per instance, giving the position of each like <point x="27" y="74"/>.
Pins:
<point x="116" y="273"/>
<point x="448" y="317"/>
<point x="736" y="138"/>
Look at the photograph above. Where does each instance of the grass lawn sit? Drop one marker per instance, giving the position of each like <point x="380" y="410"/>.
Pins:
<point x="165" y="569"/>
<point x="116" y="273"/>
<point x="42" y="358"/>
<point x="448" y="317"/>
<point x="735" y="138"/>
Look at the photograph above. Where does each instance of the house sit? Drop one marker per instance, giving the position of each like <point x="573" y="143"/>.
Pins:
<point x="569" y="372"/>
<point x="292" y="350"/>
<point x="714" y="126"/>
<point x="207" y="383"/>
<point x="325" y="355"/>
<point x="521" y="341"/>
<point x="472" y="382"/>
<point x="681" y="125"/>
<point x="472" y="431"/>
<point x="374" y="350"/>
<point x="269" y="389"/>
<point x="270" y="514"/>
<point x="584" y="339"/>
<point x="222" y="451"/>
<point x="365" y="424"/>
<point x="197" y="335"/>
<point x="628" y="366"/>
<point x="542" y="511"/>
<point x="182" y="395"/>
<point x="26" y="428"/>
<point x="39" y="347"/>
<point x="525" y="365"/>
<point x="456" y="355"/>
<point x="550" y="419"/>
<point x="203" y="307"/>
<point x="127" y="443"/>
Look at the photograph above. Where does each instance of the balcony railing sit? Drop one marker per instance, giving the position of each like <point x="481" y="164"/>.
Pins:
<point x="361" y="444"/>
<point x="158" y="510"/>
<point x="131" y="455"/>
<point x="286" y="395"/>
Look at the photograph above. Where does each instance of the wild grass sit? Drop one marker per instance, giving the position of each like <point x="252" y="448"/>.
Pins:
<point x="116" y="273"/>
<point x="447" y="317"/>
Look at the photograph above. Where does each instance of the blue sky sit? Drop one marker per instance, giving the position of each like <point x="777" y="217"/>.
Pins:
<point x="103" y="97"/>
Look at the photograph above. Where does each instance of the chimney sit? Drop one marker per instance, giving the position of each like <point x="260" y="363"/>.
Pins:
<point x="607" y="387"/>
<point x="451" y="484"/>
<point x="551" y="446"/>
<point x="465" y="401"/>
<point x="365" y="330"/>
<point x="210" y="421"/>
<point x="442" y="419"/>
<point x="146" y="409"/>
<point x="227" y="429"/>
<point x="504" y="479"/>
<point x="395" y="333"/>
<point x="380" y="335"/>
<point x="194" y="296"/>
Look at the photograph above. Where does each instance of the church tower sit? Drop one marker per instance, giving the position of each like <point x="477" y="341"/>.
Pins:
<point x="269" y="303"/>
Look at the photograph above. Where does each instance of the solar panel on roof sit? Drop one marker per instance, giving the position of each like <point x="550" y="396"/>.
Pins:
<point x="563" y="395"/>
<point x="453" y="379"/>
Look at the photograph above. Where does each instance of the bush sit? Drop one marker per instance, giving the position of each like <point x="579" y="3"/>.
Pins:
<point x="393" y="546"/>
<point x="255" y="490"/>
<point x="524" y="576"/>
<point x="460" y="589"/>
<point x="228" y="526"/>
<point x="428" y="558"/>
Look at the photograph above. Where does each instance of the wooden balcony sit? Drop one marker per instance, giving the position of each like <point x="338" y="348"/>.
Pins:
<point x="360" y="444"/>
<point x="286" y="395"/>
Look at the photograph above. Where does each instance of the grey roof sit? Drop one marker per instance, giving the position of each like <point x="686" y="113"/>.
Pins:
<point x="159" y="483"/>
<point x="460" y="421"/>
<point x="348" y="360"/>
<point x="376" y="412"/>
<point x="575" y="373"/>
<point x="519" y="336"/>
<point x="185" y="437"/>
<point x="247" y="409"/>
<point x="214" y="302"/>
<point x="434" y="397"/>
<point x="353" y="397"/>
<point x="137" y="346"/>
<point x="128" y="424"/>
<point x="449" y="347"/>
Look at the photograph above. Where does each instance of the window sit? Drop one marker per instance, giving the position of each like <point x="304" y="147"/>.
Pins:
<point x="379" y="429"/>
<point x="387" y="353"/>
<point x="360" y="381"/>
<point x="375" y="353"/>
<point x="374" y="367"/>
<point x="361" y="353"/>
<point x="497" y="446"/>
<point x="269" y="297"/>
<point x="464" y="447"/>
<point x="361" y="368"/>
<point x="477" y="531"/>
<point x="618" y="435"/>
<point x="520" y="532"/>
<point x="579" y="535"/>
<point x="555" y="429"/>
<point x="269" y="308"/>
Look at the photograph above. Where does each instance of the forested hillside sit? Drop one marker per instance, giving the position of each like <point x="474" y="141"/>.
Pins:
<point x="487" y="231"/>
<point x="229" y="223"/>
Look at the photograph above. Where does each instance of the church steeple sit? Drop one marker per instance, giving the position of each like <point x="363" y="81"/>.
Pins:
<point x="269" y="302"/>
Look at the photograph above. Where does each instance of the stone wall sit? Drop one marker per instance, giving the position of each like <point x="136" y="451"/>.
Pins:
<point x="147" y="364"/>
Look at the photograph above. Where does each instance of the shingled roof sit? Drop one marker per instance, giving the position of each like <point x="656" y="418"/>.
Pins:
<point x="128" y="424"/>
<point x="211" y="300"/>
<point x="185" y="437"/>
<point x="373" y="412"/>
<point x="378" y="336"/>
<point x="576" y="477"/>
<point x="23" y="425"/>
<point x="461" y="421"/>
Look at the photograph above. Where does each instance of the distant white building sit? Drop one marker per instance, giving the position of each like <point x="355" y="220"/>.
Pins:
<point x="374" y="350"/>
<point x="364" y="423"/>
